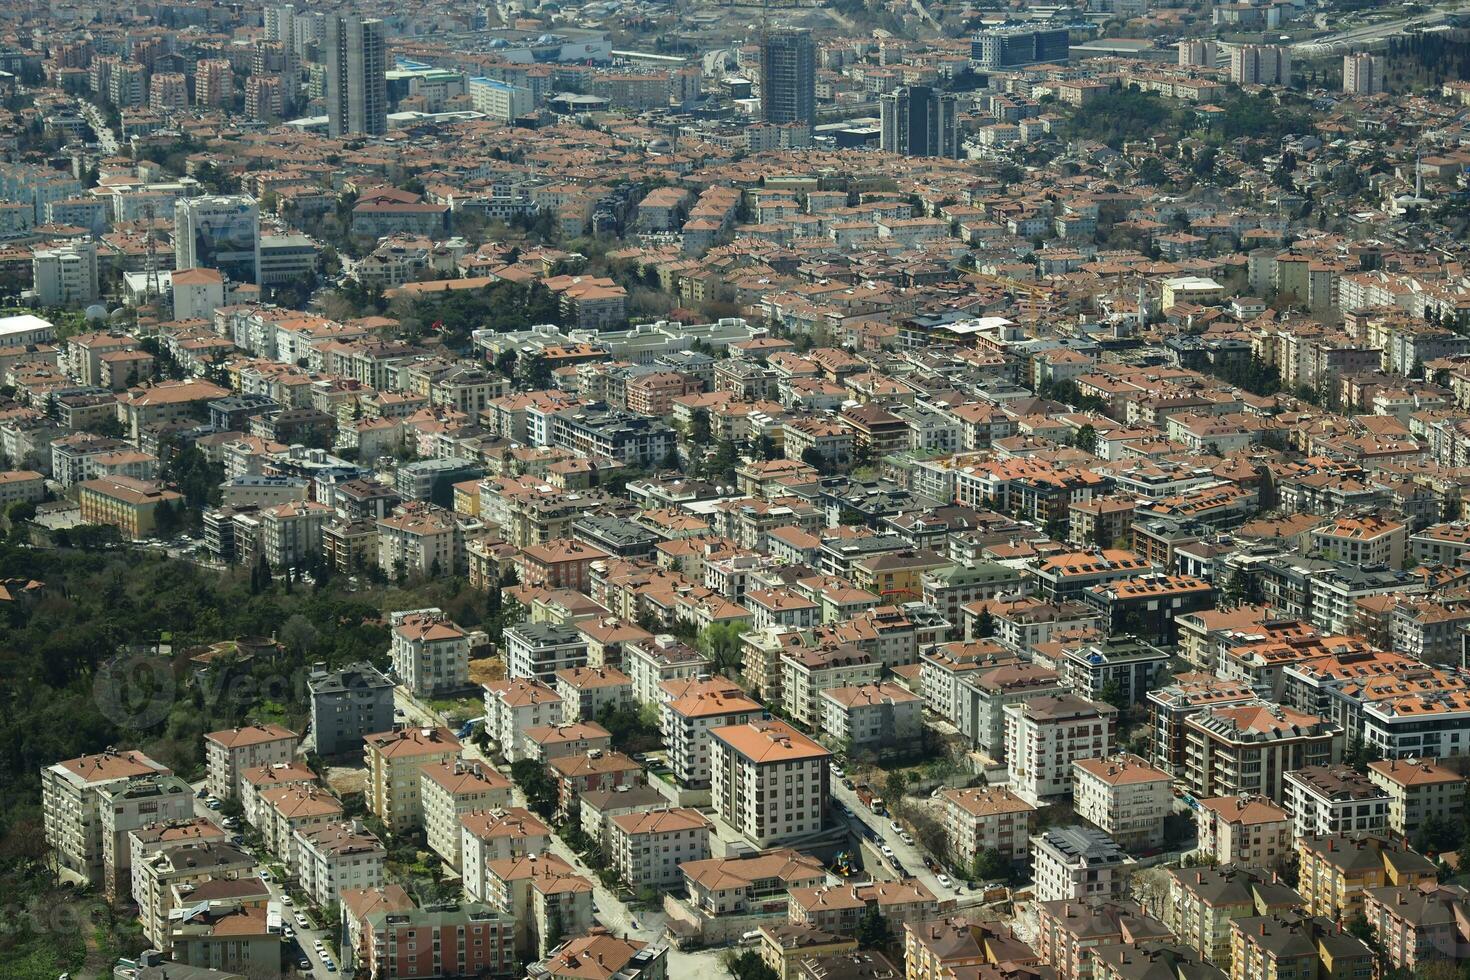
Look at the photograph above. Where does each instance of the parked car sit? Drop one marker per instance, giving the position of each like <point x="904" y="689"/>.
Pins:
<point x="895" y="826"/>
<point x="887" y="851"/>
<point x="944" y="880"/>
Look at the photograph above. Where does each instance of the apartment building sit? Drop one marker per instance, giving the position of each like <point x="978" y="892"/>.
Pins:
<point x="431" y="654"/>
<point x="499" y="834"/>
<point x="1246" y="830"/>
<point x="1045" y="735"/>
<point x="71" y="799"/>
<point x="646" y="849"/>
<point x="537" y="651"/>
<point x="1069" y="930"/>
<point x="348" y="704"/>
<point x="1078" y="862"/>
<point x="289" y="809"/>
<point x="981" y="697"/>
<point x="468" y="939"/>
<point x="1124" y="797"/>
<point x="546" y="742"/>
<point x="693" y="710"/>
<point x="1269" y="946"/>
<point x="584" y="773"/>
<point x="840" y="908"/>
<point x="1419" y="925"/>
<point x="986" y="818"/>
<point x="338" y="857"/>
<point x="1248" y="749"/>
<point x="258" y="780"/>
<point x="649" y="663"/>
<point x="1418" y="790"/>
<point x="768" y="781"/>
<point x="587" y="691"/>
<point x="544" y="895"/>
<point x="754" y="883"/>
<point x="808" y="671"/>
<point x="167" y="877"/>
<point x="881" y="714"/>
<point x="132" y="506"/>
<point x="448" y="790"/>
<point x="1337" y="870"/>
<point x="1334" y="799"/>
<point x="513" y="707"/>
<point x="230" y="935"/>
<point x="1202" y="902"/>
<point x="127" y="805"/>
<point x="229" y="752"/>
<point x="394" y="759"/>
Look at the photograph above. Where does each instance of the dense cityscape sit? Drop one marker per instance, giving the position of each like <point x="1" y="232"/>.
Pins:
<point x="913" y="490"/>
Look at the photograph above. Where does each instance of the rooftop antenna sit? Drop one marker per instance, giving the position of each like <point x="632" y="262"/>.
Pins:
<point x="151" y="287"/>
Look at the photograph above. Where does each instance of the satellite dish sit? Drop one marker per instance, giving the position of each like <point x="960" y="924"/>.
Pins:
<point x="117" y="315"/>
<point x="95" y="312"/>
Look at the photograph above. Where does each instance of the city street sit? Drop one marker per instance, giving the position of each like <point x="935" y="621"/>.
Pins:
<point x="304" y="939"/>
<point x="910" y="856"/>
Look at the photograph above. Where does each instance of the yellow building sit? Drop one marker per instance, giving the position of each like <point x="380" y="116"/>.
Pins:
<point x="1337" y="868"/>
<point x="897" y="576"/>
<point x="785" y="944"/>
<point x="394" y="761"/>
<point x="127" y="504"/>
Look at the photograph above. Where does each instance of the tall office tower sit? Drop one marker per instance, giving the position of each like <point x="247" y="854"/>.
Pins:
<point x="219" y="232"/>
<point x="357" y="81"/>
<point x="789" y="77"/>
<point x="1362" y="74"/>
<point x="1198" y="54"/>
<point x="919" y="121"/>
<point x="1260" y="64"/>
<point x="214" y="83"/>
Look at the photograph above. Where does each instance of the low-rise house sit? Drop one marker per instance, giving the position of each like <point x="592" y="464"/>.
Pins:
<point x="841" y="908"/>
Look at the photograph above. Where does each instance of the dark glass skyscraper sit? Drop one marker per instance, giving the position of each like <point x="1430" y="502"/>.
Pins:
<point x="788" y="77"/>
<point x="919" y="121"/>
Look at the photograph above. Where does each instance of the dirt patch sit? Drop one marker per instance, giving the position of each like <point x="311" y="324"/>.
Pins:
<point x="345" y="782"/>
<point x="487" y="670"/>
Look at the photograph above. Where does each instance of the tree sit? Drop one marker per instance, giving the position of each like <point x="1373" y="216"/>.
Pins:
<point x="747" y="965"/>
<point x="991" y="865"/>
<point x="1112" y="693"/>
<point x="721" y="643"/>
<point x="699" y="428"/>
<point x="505" y="363"/>
<point x="537" y="372"/>
<point x="1087" y="439"/>
<point x="540" y="790"/>
<point x="873" y="931"/>
<point x="985" y="624"/>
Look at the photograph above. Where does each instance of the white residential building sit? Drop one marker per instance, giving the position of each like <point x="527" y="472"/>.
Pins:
<point x="1124" y="797"/>
<point x="449" y="789"/>
<point x="431" y="654"/>
<point x="229" y="752"/>
<point x="1045" y="735"/>
<point x="513" y="707"/>
<point x="337" y="858"/>
<point x="768" y="781"/>
<point x="646" y="849"/>
<point x="1071" y="863"/>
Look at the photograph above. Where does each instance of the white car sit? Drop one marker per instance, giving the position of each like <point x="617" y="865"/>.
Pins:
<point x="301" y="921"/>
<point x="887" y="851"/>
<point x="905" y="837"/>
<point x="894" y="826"/>
<point x="266" y="875"/>
<point x="944" y="880"/>
<point x="285" y="899"/>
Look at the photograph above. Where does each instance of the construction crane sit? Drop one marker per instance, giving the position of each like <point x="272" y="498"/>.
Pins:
<point x="151" y="287"/>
